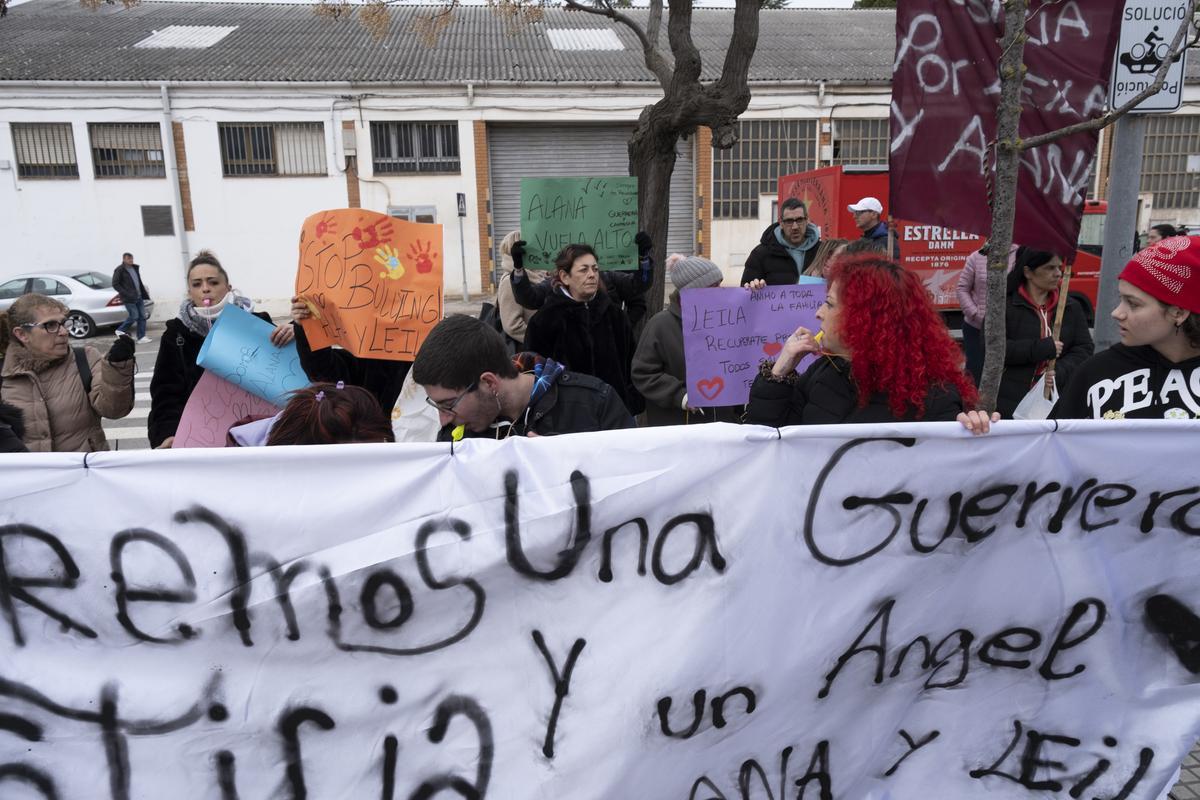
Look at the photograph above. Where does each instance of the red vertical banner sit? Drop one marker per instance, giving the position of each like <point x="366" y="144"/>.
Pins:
<point x="945" y="92"/>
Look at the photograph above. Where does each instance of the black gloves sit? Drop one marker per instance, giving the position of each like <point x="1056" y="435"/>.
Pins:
<point x="644" y="244"/>
<point x="1044" y="350"/>
<point x="518" y="254"/>
<point x="121" y="350"/>
<point x="645" y="261"/>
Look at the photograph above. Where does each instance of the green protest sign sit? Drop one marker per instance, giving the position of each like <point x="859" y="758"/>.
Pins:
<point x="601" y="212"/>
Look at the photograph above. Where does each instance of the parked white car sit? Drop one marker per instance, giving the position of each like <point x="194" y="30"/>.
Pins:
<point x="93" y="302"/>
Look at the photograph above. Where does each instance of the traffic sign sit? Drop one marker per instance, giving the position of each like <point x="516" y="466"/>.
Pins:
<point x="1147" y="28"/>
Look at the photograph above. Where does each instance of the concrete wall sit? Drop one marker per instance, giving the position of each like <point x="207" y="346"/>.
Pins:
<point x="252" y="222"/>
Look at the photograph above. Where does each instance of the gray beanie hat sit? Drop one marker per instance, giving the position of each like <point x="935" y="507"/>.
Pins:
<point x="693" y="272"/>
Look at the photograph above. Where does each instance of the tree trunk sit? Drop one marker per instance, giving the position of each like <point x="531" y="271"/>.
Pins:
<point x="652" y="161"/>
<point x="1004" y="197"/>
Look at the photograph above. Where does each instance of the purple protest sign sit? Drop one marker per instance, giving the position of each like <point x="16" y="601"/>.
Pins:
<point x="727" y="332"/>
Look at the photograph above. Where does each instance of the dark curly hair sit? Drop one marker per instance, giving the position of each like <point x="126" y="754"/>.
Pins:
<point x="899" y="345"/>
<point x="324" y="414"/>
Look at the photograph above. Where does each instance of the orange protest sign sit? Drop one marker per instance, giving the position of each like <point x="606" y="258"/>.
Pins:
<point x="373" y="283"/>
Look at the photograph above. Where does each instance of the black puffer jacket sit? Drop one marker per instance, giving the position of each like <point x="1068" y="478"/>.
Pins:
<point x="771" y="262"/>
<point x="381" y="377"/>
<point x="176" y="374"/>
<point x="1131" y="383"/>
<point x="1026" y="349"/>
<point x="12" y="429"/>
<point x="824" y="394"/>
<point x="593" y="338"/>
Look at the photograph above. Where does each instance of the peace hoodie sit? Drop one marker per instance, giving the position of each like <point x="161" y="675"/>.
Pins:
<point x="1131" y="383"/>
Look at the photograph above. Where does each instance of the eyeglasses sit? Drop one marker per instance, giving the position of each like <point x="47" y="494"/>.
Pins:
<point x="49" y="326"/>
<point x="449" y="406"/>
<point x="793" y="221"/>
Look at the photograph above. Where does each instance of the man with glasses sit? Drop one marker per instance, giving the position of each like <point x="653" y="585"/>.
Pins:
<point x="478" y="390"/>
<point x="786" y="248"/>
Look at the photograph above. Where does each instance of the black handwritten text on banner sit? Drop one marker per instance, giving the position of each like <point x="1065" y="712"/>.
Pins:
<point x="868" y="615"/>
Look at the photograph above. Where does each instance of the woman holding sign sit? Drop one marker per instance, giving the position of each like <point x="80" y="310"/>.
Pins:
<point x="582" y="328"/>
<point x="659" y="372"/>
<point x="886" y="356"/>
<point x="1030" y="347"/>
<point x="176" y="372"/>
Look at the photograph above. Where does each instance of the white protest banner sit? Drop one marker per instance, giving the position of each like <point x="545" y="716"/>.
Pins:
<point x="694" y="613"/>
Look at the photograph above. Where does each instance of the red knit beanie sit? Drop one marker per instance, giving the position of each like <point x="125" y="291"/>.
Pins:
<point x="1168" y="271"/>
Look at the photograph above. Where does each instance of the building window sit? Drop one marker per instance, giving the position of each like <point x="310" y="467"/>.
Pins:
<point x="766" y="149"/>
<point x="127" y="150"/>
<point x="157" y="221"/>
<point x="1170" y="139"/>
<point x="861" y="142"/>
<point x="278" y="148"/>
<point x="414" y="213"/>
<point x="400" y="147"/>
<point x="44" y="150"/>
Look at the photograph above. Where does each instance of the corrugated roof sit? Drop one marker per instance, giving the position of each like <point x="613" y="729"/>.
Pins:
<point x="186" y="37"/>
<point x="584" y="39"/>
<point x="57" y="40"/>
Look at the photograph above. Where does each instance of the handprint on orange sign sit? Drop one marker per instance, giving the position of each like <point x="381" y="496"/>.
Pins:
<point x="362" y="285"/>
<point x="423" y="255"/>
<point x="373" y="235"/>
<point x="326" y="226"/>
<point x="391" y="259"/>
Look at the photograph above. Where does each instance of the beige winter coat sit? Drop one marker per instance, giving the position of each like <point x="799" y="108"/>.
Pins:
<point x="59" y="417"/>
<point x="514" y="316"/>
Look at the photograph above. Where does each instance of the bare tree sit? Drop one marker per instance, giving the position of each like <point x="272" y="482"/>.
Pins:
<point x="687" y="102"/>
<point x="1008" y="148"/>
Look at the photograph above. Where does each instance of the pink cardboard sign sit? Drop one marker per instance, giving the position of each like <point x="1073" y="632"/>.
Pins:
<point x="213" y="407"/>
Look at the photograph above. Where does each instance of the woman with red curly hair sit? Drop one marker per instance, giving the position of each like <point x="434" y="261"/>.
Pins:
<point x="885" y="356"/>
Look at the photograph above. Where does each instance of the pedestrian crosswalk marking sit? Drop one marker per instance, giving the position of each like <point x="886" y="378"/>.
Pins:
<point x="117" y="434"/>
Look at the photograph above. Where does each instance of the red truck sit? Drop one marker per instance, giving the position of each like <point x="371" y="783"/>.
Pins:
<point x="935" y="253"/>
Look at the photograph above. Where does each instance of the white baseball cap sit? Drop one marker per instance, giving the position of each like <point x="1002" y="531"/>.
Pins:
<point x="867" y="204"/>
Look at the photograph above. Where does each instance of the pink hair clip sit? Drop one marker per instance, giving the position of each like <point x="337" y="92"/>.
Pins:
<point x="320" y="396"/>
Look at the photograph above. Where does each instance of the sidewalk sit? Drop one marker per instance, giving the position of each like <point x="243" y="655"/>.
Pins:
<point x="455" y="305"/>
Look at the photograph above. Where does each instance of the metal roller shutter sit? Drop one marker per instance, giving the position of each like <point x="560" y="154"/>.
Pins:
<point x="541" y="151"/>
